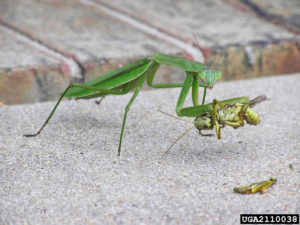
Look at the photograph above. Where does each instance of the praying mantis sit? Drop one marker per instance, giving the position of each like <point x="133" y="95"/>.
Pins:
<point x="133" y="77"/>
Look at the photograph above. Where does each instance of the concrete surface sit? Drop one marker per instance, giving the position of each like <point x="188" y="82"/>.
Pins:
<point x="71" y="174"/>
<point x="82" y="39"/>
<point x="214" y="23"/>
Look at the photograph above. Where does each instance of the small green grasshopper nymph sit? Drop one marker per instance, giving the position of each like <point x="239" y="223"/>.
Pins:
<point x="230" y="112"/>
<point x="255" y="187"/>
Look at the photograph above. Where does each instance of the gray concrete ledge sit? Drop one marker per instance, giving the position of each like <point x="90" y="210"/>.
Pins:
<point x="71" y="173"/>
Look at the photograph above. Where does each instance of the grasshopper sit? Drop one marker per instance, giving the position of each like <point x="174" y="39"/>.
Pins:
<point x="255" y="187"/>
<point x="230" y="112"/>
<point x="133" y="77"/>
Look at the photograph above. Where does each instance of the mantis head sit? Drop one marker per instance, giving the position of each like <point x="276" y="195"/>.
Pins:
<point x="210" y="77"/>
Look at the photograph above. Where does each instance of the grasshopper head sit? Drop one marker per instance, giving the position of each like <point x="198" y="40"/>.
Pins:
<point x="273" y="180"/>
<point x="203" y="122"/>
<point x="210" y="77"/>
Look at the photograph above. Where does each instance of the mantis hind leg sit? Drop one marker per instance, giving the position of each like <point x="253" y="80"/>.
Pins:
<point x="136" y="92"/>
<point x="63" y="95"/>
<point x="125" y="89"/>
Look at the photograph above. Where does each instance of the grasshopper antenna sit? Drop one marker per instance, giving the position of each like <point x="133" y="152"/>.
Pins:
<point x="175" y="117"/>
<point x="181" y="136"/>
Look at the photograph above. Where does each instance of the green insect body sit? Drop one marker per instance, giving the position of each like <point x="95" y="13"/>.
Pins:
<point x="252" y="117"/>
<point x="217" y="114"/>
<point x="230" y="112"/>
<point x="204" y="122"/>
<point x="133" y="77"/>
<point x="234" y="114"/>
<point x="255" y="187"/>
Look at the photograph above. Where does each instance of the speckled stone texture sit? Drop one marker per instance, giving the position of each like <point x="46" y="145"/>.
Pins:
<point x="71" y="174"/>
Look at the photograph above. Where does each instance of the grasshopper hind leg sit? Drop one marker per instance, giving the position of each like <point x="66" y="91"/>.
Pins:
<point x="205" y="135"/>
